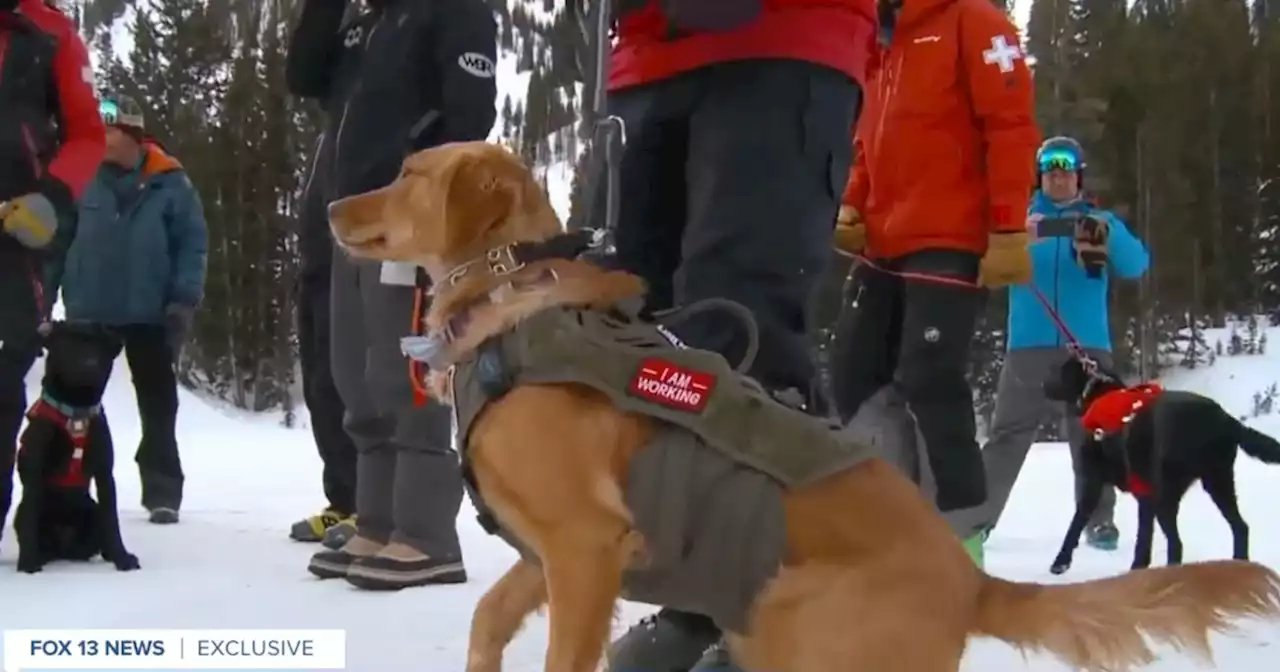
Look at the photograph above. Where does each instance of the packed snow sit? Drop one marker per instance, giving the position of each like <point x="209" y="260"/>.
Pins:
<point x="229" y="563"/>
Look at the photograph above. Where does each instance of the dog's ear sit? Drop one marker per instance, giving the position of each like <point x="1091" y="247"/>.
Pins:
<point x="482" y="190"/>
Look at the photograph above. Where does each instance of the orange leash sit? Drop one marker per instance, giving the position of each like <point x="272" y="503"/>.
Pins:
<point x="418" y="372"/>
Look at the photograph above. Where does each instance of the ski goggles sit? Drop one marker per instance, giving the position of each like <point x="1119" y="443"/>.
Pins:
<point x="111" y="115"/>
<point x="1060" y="159"/>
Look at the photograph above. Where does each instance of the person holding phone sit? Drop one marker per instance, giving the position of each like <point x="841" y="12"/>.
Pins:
<point x="1077" y="247"/>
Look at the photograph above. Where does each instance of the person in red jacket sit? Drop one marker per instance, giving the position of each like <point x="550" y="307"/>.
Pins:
<point x="737" y="116"/>
<point x="936" y="208"/>
<point x="51" y="142"/>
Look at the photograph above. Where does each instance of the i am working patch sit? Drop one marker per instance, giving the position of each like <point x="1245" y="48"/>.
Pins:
<point x="671" y="385"/>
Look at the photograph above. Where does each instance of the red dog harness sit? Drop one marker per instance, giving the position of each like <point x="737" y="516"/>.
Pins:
<point x="1108" y="415"/>
<point x="76" y="425"/>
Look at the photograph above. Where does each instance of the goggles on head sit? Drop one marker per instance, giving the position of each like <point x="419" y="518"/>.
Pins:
<point x="110" y="112"/>
<point x="1059" y="159"/>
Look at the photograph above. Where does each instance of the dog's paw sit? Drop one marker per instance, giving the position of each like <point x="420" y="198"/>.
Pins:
<point x="126" y="562"/>
<point x="1059" y="567"/>
<point x="29" y="566"/>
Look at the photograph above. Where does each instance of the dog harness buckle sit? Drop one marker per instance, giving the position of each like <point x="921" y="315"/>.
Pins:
<point x="78" y="425"/>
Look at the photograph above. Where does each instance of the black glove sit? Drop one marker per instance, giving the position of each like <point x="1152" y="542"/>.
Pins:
<point x="177" y="325"/>
<point x="1090" y="244"/>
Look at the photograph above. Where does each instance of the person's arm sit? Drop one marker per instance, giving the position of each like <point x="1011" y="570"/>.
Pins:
<point x="188" y="247"/>
<point x="314" y="49"/>
<point x="1127" y="255"/>
<point x="859" y="185"/>
<point x="464" y="42"/>
<point x="83" y="142"/>
<point x="1000" y="89"/>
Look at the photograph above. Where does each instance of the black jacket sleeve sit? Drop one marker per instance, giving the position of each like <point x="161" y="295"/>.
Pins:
<point x="315" y="48"/>
<point x="465" y="43"/>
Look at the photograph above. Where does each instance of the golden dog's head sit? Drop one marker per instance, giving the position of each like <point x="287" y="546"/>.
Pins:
<point x="448" y="205"/>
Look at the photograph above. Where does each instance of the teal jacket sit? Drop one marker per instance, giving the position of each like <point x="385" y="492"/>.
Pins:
<point x="139" y="245"/>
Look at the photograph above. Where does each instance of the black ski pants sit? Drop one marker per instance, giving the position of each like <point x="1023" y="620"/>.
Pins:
<point x="914" y="333"/>
<point x="155" y="383"/>
<point x="21" y="300"/>
<point x="730" y="183"/>
<point x="337" y="451"/>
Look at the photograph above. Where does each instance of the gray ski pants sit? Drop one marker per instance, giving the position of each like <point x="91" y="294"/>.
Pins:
<point x="1020" y="407"/>
<point x="408" y="480"/>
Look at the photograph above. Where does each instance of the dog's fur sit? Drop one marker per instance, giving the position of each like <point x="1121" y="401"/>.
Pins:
<point x="873" y="577"/>
<point x="65" y="523"/>
<point x="1180" y="438"/>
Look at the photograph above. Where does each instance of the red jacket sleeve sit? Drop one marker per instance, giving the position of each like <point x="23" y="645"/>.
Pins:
<point x="1004" y="106"/>
<point x="83" y="143"/>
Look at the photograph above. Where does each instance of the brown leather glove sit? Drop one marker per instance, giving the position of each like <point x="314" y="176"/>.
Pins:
<point x="1007" y="261"/>
<point x="850" y="239"/>
<point x="851" y="232"/>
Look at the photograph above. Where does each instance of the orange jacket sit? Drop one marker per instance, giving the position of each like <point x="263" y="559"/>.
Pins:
<point x="946" y="144"/>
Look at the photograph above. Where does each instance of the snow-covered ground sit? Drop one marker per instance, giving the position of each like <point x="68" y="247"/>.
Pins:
<point x="229" y="563"/>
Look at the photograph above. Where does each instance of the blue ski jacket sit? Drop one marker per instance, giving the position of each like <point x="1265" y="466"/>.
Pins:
<point x="1080" y="301"/>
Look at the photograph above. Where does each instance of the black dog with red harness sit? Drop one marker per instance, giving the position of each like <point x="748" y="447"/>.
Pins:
<point x="1154" y="444"/>
<point x="65" y="448"/>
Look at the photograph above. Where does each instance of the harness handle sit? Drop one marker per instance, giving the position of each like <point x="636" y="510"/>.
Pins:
<point x="673" y="316"/>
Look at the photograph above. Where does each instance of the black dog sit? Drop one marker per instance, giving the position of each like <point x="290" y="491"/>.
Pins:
<point x="1163" y="444"/>
<point x="66" y="447"/>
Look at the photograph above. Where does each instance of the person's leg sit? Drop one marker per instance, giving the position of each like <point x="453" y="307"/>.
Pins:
<point x="150" y="358"/>
<point x="1102" y="532"/>
<point x="1020" y="407"/>
<point x="369" y="430"/>
<point x="426" y="486"/>
<point x="937" y="327"/>
<point x="769" y="154"/>
<point x="326" y="411"/>
<point x="651" y="184"/>
<point x="864" y="350"/>
<point x="14" y="364"/>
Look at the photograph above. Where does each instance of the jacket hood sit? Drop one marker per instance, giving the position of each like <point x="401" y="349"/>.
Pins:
<point x="157" y="161"/>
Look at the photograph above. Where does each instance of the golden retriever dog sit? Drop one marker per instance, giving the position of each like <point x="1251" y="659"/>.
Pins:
<point x="872" y="580"/>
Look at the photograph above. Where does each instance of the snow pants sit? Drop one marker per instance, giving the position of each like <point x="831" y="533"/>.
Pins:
<point x="914" y="335"/>
<point x="337" y="451"/>
<point x="155" y="384"/>
<point x="1020" y="408"/>
<point x="20" y="309"/>
<point x="408" y="479"/>
<point x="730" y="184"/>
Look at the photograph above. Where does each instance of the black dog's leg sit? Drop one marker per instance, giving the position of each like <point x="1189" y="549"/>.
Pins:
<point x="1221" y="486"/>
<point x="113" y="549"/>
<point x="1088" y="503"/>
<point x="30" y="515"/>
<point x="1167" y="516"/>
<point x="1146" y="530"/>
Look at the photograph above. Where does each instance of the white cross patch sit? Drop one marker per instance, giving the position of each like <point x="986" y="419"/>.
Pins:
<point x="1002" y="54"/>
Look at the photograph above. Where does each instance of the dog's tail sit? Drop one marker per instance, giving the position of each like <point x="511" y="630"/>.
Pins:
<point x="1100" y="625"/>
<point x="1257" y="445"/>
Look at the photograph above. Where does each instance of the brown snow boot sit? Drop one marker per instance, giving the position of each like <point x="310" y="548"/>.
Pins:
<point x="399" y="565"/>
<point x="330" y="564"/>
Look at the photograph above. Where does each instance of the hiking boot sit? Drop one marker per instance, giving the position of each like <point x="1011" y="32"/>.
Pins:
<point x="313" y="528"/>
<point x="340" y="533"/>
<point x="671" y="641"/>
<point x="399" y="566"/>
<point x="163" y="515"/>
<point x="331" y="564"/>
<point x="716" y="659"/>
<point x="1103" y="536"/>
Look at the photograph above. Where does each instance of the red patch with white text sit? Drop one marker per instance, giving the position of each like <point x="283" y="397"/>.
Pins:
<point x="671" y="385"/>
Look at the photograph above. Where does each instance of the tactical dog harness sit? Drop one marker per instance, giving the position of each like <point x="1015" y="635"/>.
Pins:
<point x="706" y="491"/>
<point x="1110" y="414"/>
<point x="75" y="422"/>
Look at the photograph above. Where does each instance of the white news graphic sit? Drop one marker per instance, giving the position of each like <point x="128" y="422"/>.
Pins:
<point x="174" y="650"/>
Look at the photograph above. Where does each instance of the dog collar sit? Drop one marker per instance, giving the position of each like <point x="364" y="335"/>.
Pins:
<point x="507" y="259"/>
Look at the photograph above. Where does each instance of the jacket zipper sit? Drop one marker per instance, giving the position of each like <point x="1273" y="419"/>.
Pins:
<point x="315" y="163"/>
<point x="1057" y="280"/>
<point x="33" y="153"/>
<point x="346" y="106"/>
<point x="888" y="94"/>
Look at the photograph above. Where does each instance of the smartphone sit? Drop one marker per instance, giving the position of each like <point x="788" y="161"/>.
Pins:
<point x="1057" y="227"/>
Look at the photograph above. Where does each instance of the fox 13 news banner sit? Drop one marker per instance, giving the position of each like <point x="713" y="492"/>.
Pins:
<point x="174" y="650"/>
